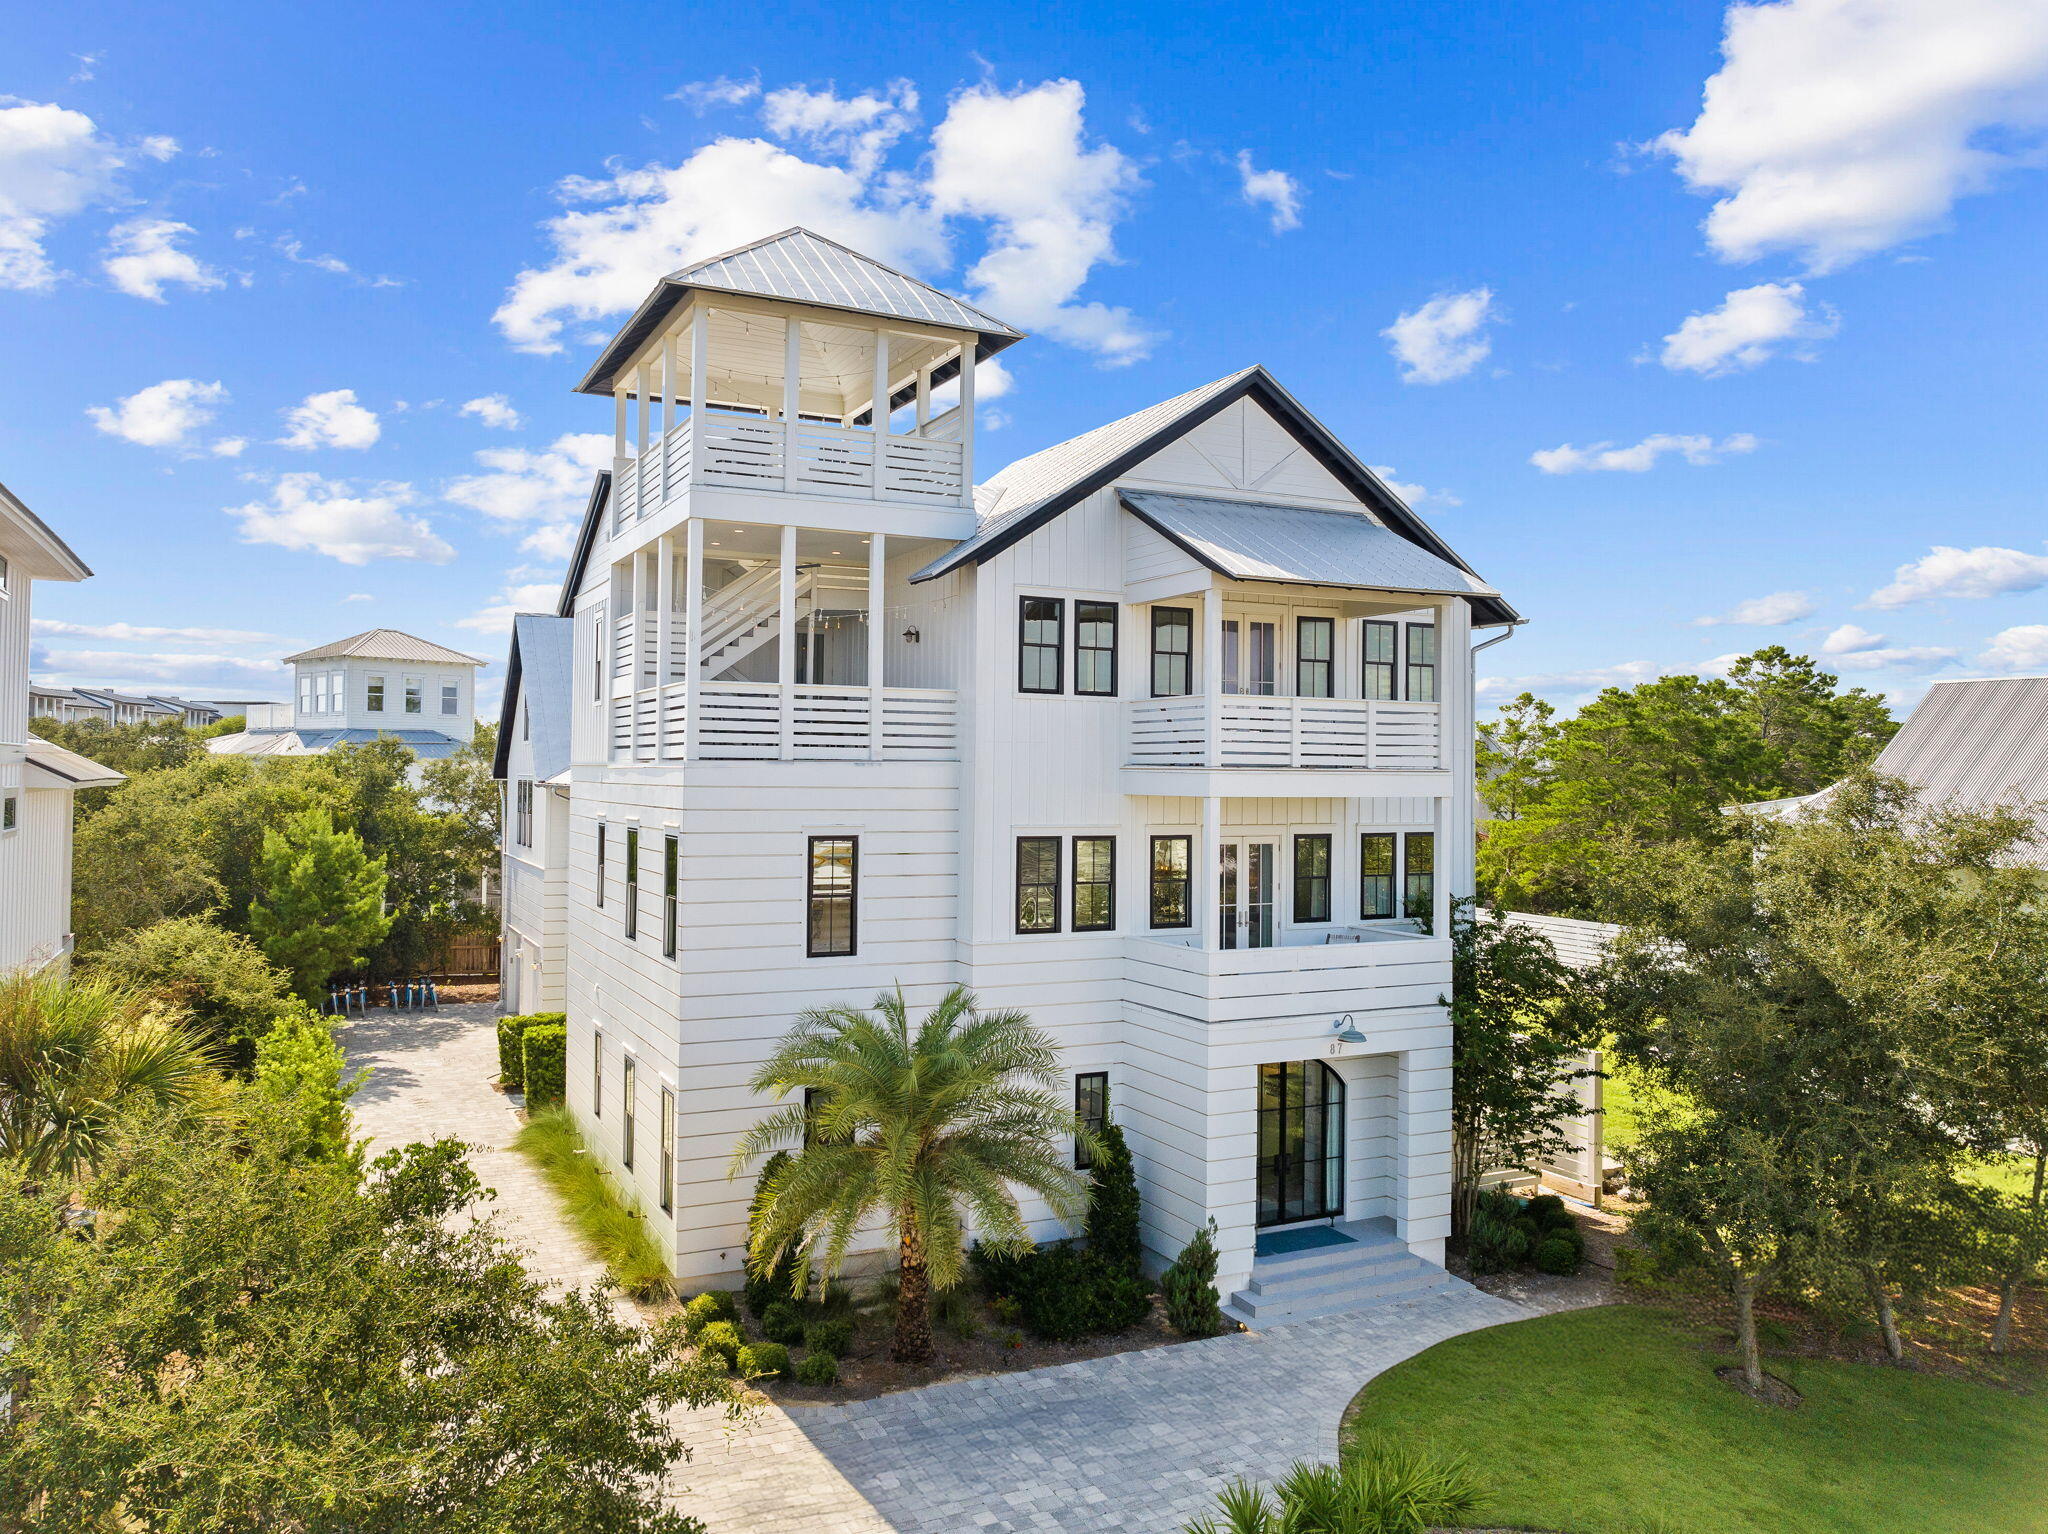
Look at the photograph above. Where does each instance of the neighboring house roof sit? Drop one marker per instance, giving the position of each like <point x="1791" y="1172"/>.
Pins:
<point x="541" y="667"/>
<point x="803" y="268"/>
<point x="1029" y="493"/>
<point x="107" y="695"/>
<point x="428" y="745"/>
<point x="59" y="767"/>
<point x="1258" y="541"/>
<point x="386" y="644"/>
<point x="39" y="552"/>
<point x="586" y="540"/>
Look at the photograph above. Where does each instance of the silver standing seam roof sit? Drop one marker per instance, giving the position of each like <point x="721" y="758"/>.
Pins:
<point x="540" y="669"/>
<point x="387" y="644"/>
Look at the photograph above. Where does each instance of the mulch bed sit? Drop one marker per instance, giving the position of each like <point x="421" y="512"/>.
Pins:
<point x="1604" y="1230"/>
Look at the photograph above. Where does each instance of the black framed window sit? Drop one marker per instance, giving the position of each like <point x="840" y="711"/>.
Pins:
<point x="1095" y="649"/>
<point x="600" y="865"/>
<point x="668" y="897"/>
<point x="1312" y="877"/>
<point x="1091" y="1108"/>
<point x="522" y="823"/>
<point x="1422" y="663"/>
<point x="1170" y="906"/>
<point x="627" y="1074"/>
<point x="632" y="881"/>
<point x="668" y="1151"/>
<point x="1376" y="875"/>
<point x="597" y="1073"/>
<point x="1173" y="652"/>
<point x="1418" y="875"/>
<point x="1315" y="657"/>
<point x="1041" y="625"/>
<point x="1377" y="677"/>
<point x="1094" y="899"/>
<point x="1038" y="884"/>
<point x="832" y="919"/>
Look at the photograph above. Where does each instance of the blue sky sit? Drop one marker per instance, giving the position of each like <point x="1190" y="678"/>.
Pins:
<point x="256" y="260"/>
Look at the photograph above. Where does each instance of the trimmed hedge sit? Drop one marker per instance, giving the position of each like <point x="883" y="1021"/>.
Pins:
<point x="511" y="1030"/>
<point x="722" y="1339"/>
<point x="711" y="1305"/>
<point x="818" y="1369"/>
<point x="782" y="1322"/>
<point x="1193" y="1307"/>
<point x="1063" y="1293"/>
<point x="832" y="1337"/>
<point x="1508" y="1232"/>
<point x="544" y="1063"/>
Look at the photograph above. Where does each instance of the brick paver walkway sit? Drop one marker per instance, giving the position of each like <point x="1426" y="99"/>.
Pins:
<point x="1135" y="1442"/>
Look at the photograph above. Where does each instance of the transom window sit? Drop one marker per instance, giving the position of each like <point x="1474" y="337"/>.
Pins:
<point x="1040" y="637"/>
<point x="832" y="918"/>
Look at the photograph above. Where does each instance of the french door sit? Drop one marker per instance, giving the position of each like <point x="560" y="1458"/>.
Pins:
<point x="1301" y="1142"/>
<point x="1247" y="883"/>
<point x="1251" y="654"/>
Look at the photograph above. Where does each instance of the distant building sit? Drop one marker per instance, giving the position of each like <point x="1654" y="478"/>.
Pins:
<point x="68" y="705"/>
<point x="354" y="690"/>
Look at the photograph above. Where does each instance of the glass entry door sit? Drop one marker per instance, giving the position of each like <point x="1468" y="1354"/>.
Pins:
<point x="1246" y="874"/>
<point x="1301" y="1142"/>
<point x="1251" y="655"/>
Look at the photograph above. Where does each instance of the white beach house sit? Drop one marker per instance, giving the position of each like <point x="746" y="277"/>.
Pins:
<point x="354" y="690"/>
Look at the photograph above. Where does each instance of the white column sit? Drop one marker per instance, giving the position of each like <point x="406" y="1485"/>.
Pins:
<point x="1207" y="874"/>
<point x="1456" y="854"/>
<point x="785" y="641"/>
<point x="700" y="357"/>
<point x="878" y="412"/>
<point x="618" y="419"/>
<point x="1422" y="1149"/>
<point x="792" y="396"/>
<point x="924" y="399"/>
<point x="664" y="604"/>
<point x="644" y="375"/>
<point x="1212" y="675"/>
<point x="672" y="377"/>
<point x="878" y="625"/>
<point x="1440" y="882"/>
<point x="967" y="425"/>
<point x="693" y="627"/>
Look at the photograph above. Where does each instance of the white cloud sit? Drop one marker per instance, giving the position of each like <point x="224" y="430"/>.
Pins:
<point x="2024" y="648"/>
<point x="1851" y="648"/>
<point x="1020" y="160"/>
<point x="142" y="258"/>
<point x="1275" y="190"/>
<point x="1445" y="338"/>
<point x="1588" y="680"/>
<point x="294" y="250"/>
<point x="1780" y="607"/>
<point x="702" y="95"/>
<point x="545" y="488"/>
<point x="1415" y="495"/>
<point x="1967" y="573"/>
<point x="1643" y="456"/>
<point x="54" y="164"/>
<point x="359" y="596"/>
<point x="326" y="516"/>
<point x="132" y="670"/>
<point x="495" y="411"/>
<point x="858" y="129"/>
<point x="1836" y="128"/>
<point x="228" y="447"/>
<point x="332" y="419"/>
<point x="521" y="597"/>
<point x="146" y="631"/>
<point x="991" y="381"/>
<point x="1750" y="327"/>
<point x="163" y="415"/>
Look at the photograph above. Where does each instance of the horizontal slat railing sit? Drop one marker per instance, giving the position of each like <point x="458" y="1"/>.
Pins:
<point x="742" y="721"/>
<point x="1267" y="733"/>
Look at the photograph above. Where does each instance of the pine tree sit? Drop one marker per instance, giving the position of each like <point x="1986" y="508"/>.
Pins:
<point x="1113" y="1205"/>
<point x="325" y="900"/>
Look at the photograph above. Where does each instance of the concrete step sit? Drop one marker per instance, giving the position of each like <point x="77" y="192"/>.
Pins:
<point x="1275" y="1301"/>
<point x="1258" y="1317"/>
<point x="1361" y="1260"/>
<point x="1260" y="1293"/>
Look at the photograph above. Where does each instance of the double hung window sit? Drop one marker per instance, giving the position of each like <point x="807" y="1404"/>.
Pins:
<point x="1422" y="663"/>
<point x="600" y="864"/>
<point x="1315" y="651"/>
<point x="632" y="881"/>
<point x="1376" y="876"/>
<point x="413" y="700"/>
<point x="668" y="1151"/>
<point x="1378" y="676"/>
<point x="1038" y="884"/>
<point x="668" y="897"/>
<point x="627" y="1082"/>
<point x="1312" y="877"/>
<point x="1169" y="904"/>
<point x="1418" y="875"/>
<point x="451" y="698"/>
<point x="374" y="699"/>
<point x="1091" y="1109"/>
<point x="522" y="821"/>
<point x="597" y="1073"/>
<point x="1041" y="629"/>
<point x="1173" y="652"/>
<point x="1094" y="899"/>
<point x="1095" y="649"/>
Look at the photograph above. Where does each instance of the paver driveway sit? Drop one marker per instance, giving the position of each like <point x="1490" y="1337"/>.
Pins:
<point x="1136" y="1441"/>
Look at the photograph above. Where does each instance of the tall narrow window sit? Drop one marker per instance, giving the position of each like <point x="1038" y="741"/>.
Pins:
<point x="1315" y="650"/>
<point x="1248" y="662"/>
<point x="668" y="897"/>
<point x="1312" y="877"/>
<point x="522" y="820"/>
<point x="1377" y="678"/>
<point x="1039" y="642"/>
<point x="451" y="698"/>
<point x="1095" y="649"/>
<point x="627" y="1072"/>
<point x="1094" y="899"/>
<point x="413" y="699"/>
<point x="1091" y="1109"/>
<point x="1418" y="876"/>
<point x="1038" y="884"/>
<point x="833" y="918"/>
<point x="632" y="881"/>
<point x="668" y="1151"/>
<point x="1422" y="663"/>
<point x="597" y="1073"/>
<point x="1170" y="858"/>
<point x="598" y="646"/>
<point x="600" y="865"/>
<point x="1376" y="875"/>
<point x="374" y="700"/>
<point x="1173" y="652"/>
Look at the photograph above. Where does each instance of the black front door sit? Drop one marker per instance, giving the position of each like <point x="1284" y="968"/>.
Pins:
<point x="1301" y="1142"/>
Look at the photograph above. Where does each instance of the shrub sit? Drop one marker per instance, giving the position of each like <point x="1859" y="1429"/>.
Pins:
<point x="1503" y="1234"/>
<point x="544" y="1063"/>
<point x="766" y="1287"/>
<point x="1550" y="1213"/>
<point x="712" y="1305"/>
<point x="721" y="1339"/>
<point x="511" y="1031"/>
<point x="1556" y="1254"/>
<point x="764" y="1360"/>
<point x="1004" y="1273"/>
<point x="833" y="1337"/>
<point x="1064" y="1294"/>
<point x="301" y="1070"/>
<point x="228" y="993"/>
<point x="818" y="1369"/>
<point x="1382" y="1489"/>
<point x="1112" y="1226"/>
<point x="1189" y="1287"/>
<point x="782" y="1322"/>
<point x="953" y="1309"/>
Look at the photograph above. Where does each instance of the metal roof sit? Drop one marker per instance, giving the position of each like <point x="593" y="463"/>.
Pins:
<point x="387" y="644"/>
<point x="429" y="745"/>
<point x="71" y="769"/>
<point x="49" y="557"/>
<point x="540" y="670"/>
<point x="1260" y="541"/>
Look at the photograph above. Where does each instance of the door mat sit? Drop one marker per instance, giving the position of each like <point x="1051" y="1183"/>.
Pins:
<point x="1275" y="1243"/>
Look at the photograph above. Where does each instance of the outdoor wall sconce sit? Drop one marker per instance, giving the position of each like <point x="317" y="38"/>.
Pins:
<point x="911" y="636"/>
<point x="1347" y="1031"/>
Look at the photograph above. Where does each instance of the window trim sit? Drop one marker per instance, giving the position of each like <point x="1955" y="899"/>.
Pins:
<point x="1017" y="885"/>
<point x="1366" y="663"/>
<point x="628" y="1073"/>
<point x="451" y="699"/>
<point x="10" y="813"/>
<point x="669" y="878"/>
<point x="1328" y="662"/>
<point x="1392" y="876"/>
<point x="373" y="695"/>
<point x="597" y="1073"/>
<point x="632" y="883"/>
<point x="1295" y="902"/>
<point x="1082" y="1160"/>
<point x="522" y="813"/>
<point x="1411" y="667"/>
<point x="1187" y="884"/>
<point x="1114" y="609"/>
<point x="600" y="864"/>
<point x="415" y="695"/>
<point x="1058" y="646"/>
<point x="1409" y="874"/>
<point x="812" y="896"/>
<point x="1074" y="885"/>
<point x="667" y="1138"/>
<point x="1179" y="617"/>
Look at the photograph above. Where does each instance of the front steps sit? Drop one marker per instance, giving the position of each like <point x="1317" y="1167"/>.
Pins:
<point x="1373" y="1268"/>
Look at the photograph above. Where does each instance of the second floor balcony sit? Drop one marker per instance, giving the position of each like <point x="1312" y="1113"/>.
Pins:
<point x="1283" y="734"/>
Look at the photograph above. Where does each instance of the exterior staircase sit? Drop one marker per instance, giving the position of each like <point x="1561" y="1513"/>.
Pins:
<point x="743" y="615"/>
<point x="1372" y="1268"/>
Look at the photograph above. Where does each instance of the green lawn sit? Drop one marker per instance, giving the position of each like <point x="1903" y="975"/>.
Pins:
<point x="1610" y="1421"/>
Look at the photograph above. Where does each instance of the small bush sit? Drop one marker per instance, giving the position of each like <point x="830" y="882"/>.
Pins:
<point x="818" y="1369"/>
<point x="832" y="1336"/>
<point x="1067" y="1294"/>
<point x="782" y="1322"/>
<point x="1112" y="1227"/>
<point x="1003" y="1272"/>
<point x="712" y="1305"/>
<point x="1637" y="1268"/>
<point x="953" y="1309"/>
<point x="721" y="1339"/>
<point x="544" y="1063"/>
<point x="1193" y="1307"/>
<point x="1555" y="1254"/>
<point x="1550" y="1213"/>
<point x="764" y="1360"/>
<point x="511" y="1032"/>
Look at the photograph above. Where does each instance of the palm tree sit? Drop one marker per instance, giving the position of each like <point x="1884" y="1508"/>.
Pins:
<point x="73" y="1053"/>
<point x="930" y="1128"/>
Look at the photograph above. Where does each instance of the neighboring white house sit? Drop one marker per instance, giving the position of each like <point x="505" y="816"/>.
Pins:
<point x="1161" y="735"/>
<point x="380" y="682"/>
<point x="37" y="777"/>
<point x="533" y="762"/>
<point x="69" y="704"/>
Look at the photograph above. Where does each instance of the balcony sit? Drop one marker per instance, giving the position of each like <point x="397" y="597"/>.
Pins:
<point x="1311" y="977"/>
<point x="747" y="452"/>
<point x="1274" y="734"/>
<point x="767" y="722"/>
